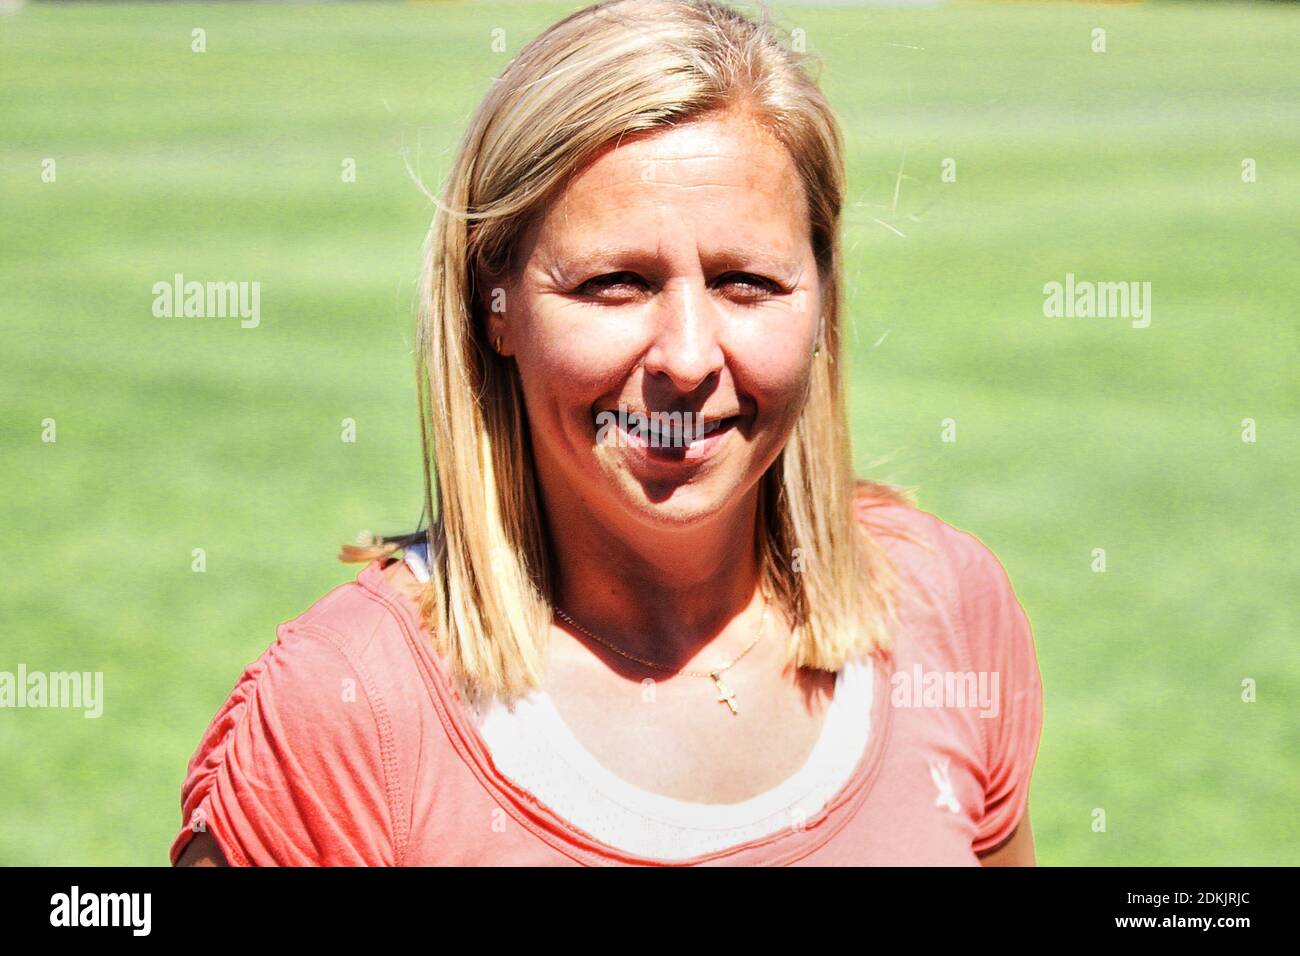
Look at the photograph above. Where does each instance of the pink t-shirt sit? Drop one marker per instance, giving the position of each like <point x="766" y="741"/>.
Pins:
<point x="344" y="743"/>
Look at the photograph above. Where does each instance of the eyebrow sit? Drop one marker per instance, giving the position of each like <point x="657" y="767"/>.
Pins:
<point x="732" y="256"/>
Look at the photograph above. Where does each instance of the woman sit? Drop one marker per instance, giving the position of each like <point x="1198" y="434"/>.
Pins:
<point x="656" y="620"/>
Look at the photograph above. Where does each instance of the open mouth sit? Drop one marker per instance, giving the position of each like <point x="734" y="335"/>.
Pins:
<point x="672" y="434"/>
<point x="663" y="432"/>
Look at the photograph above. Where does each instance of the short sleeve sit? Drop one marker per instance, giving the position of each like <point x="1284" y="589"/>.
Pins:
<point x="1000" y="641"/>
<point x="291" y="770"/>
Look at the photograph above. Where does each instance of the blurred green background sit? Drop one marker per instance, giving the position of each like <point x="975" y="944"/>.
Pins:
<point x="1072" y="434"/>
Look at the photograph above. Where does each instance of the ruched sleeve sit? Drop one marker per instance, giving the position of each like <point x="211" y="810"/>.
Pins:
<point x="293" y="770"/>
<point x="1000" y="642"/>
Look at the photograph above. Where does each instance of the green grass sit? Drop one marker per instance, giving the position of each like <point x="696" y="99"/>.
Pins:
<point x="177" y="434"/>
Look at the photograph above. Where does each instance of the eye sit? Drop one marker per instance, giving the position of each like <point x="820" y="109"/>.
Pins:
<point x="749" y="287"/>
<point x="743" y="287"/>
<point x="622" y="285"/>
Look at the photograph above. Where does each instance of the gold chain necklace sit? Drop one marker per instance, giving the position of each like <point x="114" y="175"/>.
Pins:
<point x="725" y="694"/>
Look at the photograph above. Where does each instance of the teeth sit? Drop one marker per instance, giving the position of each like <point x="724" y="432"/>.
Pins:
<point x="664" y="432"/>
<point x="668" y="434"/>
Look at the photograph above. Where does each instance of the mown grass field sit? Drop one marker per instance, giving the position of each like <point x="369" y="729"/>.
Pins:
<point x="1072" y="434"/>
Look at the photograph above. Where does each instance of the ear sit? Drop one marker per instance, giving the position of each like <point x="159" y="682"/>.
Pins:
<point x="494" y="294"/>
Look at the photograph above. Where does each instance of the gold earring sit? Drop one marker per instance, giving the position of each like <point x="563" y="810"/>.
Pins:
<point x="497" y="344"/>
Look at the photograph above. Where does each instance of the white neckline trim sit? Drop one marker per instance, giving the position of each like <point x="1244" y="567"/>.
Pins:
<point x="839" y="734"/>
<point x="535" y="748"/>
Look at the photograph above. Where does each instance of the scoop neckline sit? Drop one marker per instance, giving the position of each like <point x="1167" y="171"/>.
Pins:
<point x="552" y="828"/>
<point x="694" y="814"/>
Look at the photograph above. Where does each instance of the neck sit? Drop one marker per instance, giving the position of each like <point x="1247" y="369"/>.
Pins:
<point x="663" y="596"/>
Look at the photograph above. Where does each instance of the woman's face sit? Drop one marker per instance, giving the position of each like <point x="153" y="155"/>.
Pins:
<point x="673" y="278"/>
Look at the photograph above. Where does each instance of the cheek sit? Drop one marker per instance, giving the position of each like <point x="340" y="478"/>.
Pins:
<point x="568" y="362"/>
<point x="774" y="360"/>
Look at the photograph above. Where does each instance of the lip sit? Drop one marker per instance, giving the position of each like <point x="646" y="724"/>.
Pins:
<point x="672" y="444"/>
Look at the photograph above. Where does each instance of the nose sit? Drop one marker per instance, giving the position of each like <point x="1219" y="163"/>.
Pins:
<point x="685" y="350"/>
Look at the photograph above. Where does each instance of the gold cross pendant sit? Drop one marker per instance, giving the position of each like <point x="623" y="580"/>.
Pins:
<point x="725" y="694"/>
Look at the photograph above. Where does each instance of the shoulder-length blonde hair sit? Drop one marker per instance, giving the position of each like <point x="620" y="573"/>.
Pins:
<point x="610" y="70"/>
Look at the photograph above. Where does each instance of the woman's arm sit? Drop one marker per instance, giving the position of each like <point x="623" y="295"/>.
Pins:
<point x="1018" y="851"/>
<point x="202" y="850"/>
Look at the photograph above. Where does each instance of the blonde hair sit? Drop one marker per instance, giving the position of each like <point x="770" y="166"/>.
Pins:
<point x="611" y="70"/>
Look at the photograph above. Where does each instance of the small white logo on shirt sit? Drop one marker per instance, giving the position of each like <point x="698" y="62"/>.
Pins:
<point x="939" y="774"/>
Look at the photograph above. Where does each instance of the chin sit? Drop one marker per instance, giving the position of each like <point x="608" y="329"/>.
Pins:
<point x="668" y="504"/>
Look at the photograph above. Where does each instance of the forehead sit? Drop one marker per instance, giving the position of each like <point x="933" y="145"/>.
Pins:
<point x="722" y="172"/>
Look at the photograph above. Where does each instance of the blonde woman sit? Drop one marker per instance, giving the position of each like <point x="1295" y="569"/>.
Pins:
<point x="655" y="619"/>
